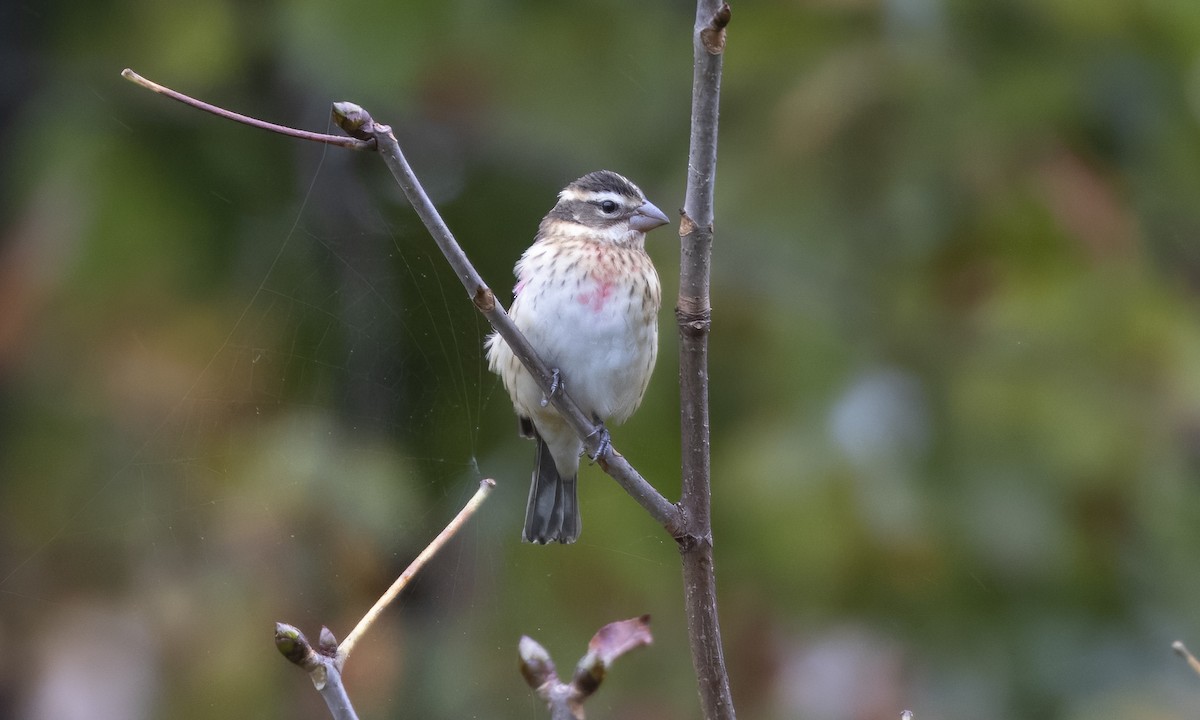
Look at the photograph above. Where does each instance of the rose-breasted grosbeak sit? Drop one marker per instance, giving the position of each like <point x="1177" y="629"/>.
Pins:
<point x="587" y="298"/>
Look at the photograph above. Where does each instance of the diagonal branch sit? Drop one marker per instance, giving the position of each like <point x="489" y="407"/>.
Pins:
<point x="367" y="134"/>
<point x="355" y="121"/>
<point x="325" y="662"/>
<point x="348" y="644"/>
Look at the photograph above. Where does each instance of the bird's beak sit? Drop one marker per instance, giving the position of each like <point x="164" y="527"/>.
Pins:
<point x="647" y="217"/>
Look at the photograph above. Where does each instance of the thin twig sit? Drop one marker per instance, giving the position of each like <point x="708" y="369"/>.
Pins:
<point x="325" y="662"/>
<point x="347" y="646"/>
<point x="693" y="314"/>
<point x="339" y="140"/>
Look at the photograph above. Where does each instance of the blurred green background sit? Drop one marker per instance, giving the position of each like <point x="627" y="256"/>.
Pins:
<point x="955" y="356"/>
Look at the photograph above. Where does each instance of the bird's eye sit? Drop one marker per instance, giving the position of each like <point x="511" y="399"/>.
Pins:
<point x="608" y="207"/>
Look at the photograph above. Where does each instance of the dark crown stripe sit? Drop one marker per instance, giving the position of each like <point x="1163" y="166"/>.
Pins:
<point x="607" y="181"/>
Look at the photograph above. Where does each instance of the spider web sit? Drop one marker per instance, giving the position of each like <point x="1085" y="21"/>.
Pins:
<point x="323" y="422"/>
<point x="338" y="417"/>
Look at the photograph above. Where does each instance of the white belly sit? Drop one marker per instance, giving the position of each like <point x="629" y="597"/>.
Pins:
<point x="604" y="347"/>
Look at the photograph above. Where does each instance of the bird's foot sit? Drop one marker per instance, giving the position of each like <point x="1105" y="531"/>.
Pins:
<point x="604" y="443"/>
<point x="555" y="386"/>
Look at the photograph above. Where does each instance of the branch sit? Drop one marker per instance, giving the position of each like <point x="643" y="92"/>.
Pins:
<point x="690" y="522"/>
<point x="565" y="700"/>
<point x="367" y="134"/>
<point x="693" y="313"/>
<point x="338" y="140"/>
<point x="343" y="651"/>
<point x="321" y="665"/>
<point x="1182" y="651"/>
<point x="324" y="663"/>
<point x="357" y="122"/>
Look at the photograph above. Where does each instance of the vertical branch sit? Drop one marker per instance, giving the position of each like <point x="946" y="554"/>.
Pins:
<point x="693" y="314"/>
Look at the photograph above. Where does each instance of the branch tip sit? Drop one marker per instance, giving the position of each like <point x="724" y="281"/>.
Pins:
<point x="353" y="120"/>
<point x="343" y="651"/>
<point x="1182" y="651"/>
<point x="609" y="643"/>
<point x="536" y="665"/>
<point x="349" y="143"/>
<point x="617" y="638"/>
<point x="292" y="644"/>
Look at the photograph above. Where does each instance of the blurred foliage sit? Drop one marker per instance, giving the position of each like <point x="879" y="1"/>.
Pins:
<point x="955" y="356"/>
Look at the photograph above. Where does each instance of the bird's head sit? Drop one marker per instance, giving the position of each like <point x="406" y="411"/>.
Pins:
<point x="606" y="206"/>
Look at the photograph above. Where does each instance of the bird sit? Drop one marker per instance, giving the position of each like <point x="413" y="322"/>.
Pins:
<point x="587" y="298"/>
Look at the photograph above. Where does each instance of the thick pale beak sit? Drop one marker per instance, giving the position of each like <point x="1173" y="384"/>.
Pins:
<point x="647" y="217"/>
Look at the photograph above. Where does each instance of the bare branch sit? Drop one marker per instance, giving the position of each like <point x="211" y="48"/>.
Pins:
<point x="338" y="140"/>
<point x="325" y="662"/>
<point x="565" y="700"/>
<point x="368" y="134"/>
<point x="612" y="462"/>
<point x="693" y="314"/>
<point x="343" y="651"/>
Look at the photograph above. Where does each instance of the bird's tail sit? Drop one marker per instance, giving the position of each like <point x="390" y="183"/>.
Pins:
<point x="553" y="510"/>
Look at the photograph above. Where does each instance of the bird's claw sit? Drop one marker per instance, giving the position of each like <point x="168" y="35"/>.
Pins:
<point x="604" y="443"/>
<point x="555" y="386"/>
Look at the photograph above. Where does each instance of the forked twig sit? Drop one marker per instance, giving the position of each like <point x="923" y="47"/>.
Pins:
<point x="565" y="699"/>
<point x="325" y="662"/>
<point x="320" y="663"/>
